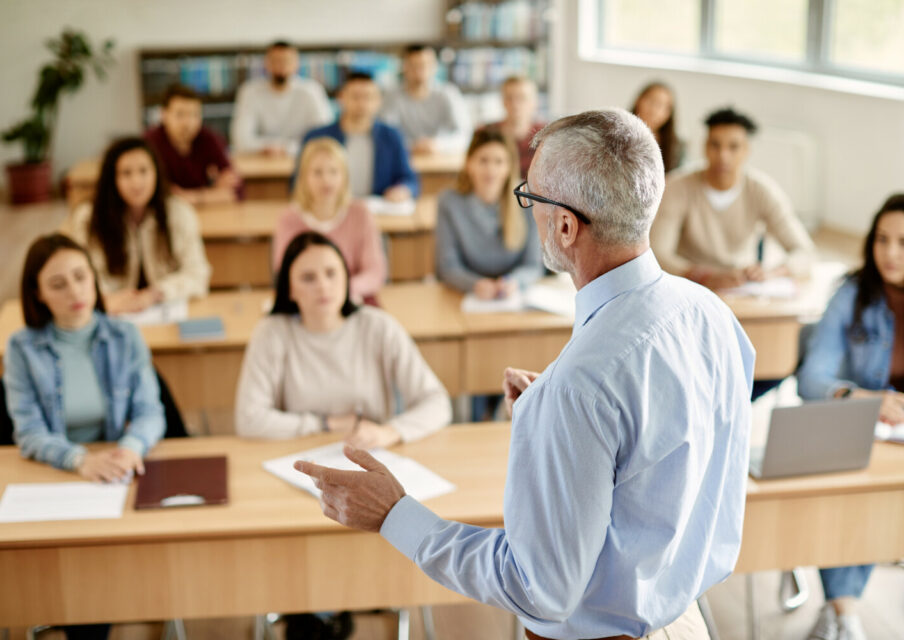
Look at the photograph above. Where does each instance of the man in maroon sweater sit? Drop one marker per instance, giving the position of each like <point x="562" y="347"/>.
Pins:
<point x="193" y="157"/>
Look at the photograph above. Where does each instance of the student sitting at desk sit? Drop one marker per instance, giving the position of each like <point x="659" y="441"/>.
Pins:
<point x="655" y="105"/>
<point x="377" y="159"/>
<point x="485" y="243"/>
<point x="857" y="351"/>
<point x="519" y="98"/>
<point x="710" y="223"/>
<point x="271" y="114"/>
<point x="432" y="115"/>
<point x="322" y="202"/>
<point x="146" y="246"/>
<point x="321" y="363"/>
<point x="193" y="157"/>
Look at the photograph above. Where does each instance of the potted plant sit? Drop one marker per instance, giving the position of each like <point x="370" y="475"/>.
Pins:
<point x="74" y="58"/>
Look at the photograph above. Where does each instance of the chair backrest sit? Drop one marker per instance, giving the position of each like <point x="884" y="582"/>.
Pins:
<point x="6" y="421"/>
<point x="175" y="426"/>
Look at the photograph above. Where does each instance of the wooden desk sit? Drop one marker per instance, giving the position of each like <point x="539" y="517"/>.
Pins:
<point x="237" y="240"/>
<point x="271" y="549"/>
<point x="267" y="177"/>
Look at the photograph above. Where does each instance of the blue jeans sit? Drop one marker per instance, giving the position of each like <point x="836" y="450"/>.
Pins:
<point x="841" y="582"/>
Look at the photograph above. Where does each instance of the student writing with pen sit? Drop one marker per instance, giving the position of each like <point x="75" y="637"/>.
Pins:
<point x="485" y="242"/>
<point x="710" y="222"/>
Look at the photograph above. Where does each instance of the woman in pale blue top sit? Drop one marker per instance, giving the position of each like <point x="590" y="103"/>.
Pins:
<point x="75" y="375"/>
<point x="857" y="351"/>
<point x="485" y="243"/>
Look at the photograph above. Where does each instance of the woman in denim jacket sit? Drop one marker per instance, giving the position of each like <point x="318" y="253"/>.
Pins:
<point x="857" y="351"/>
<point x="75" y="375"/>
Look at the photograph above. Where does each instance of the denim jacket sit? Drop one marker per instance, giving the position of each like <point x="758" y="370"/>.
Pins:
<point x="839" y="356"/>
<point x="34" y="392"/>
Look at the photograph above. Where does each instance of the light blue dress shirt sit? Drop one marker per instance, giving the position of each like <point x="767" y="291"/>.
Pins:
<point x="627" y="470"/>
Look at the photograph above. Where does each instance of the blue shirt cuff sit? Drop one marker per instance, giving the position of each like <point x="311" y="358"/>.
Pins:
<point x="407" y="524"/>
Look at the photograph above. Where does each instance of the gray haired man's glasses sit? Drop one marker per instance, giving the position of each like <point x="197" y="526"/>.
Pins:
<point x="524" y="199"/>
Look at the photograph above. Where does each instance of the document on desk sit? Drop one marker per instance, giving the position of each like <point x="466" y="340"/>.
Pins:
<point x="419" y="481"/>
<point x="382" y="207"/>
<point x="890" y="433"/>
<point x="163" y="313"/>
<point x="37" y="502"/>
<point x="472" y="304"/>
<point x="555" y="294"/>
<point x="779" y="288"/>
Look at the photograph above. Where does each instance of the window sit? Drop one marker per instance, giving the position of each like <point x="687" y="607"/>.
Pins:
<point x="767" y="29"/>
<point x="854" y="38"/>
<point x="869" y="34"/>
<point x="651" y="25"/>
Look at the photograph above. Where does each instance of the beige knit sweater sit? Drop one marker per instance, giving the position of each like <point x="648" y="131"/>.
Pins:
<point x="688" y="232"/>
<point x="292" y="377"/>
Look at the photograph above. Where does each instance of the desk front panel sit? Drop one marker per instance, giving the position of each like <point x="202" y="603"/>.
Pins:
<point x="487" y="356"/>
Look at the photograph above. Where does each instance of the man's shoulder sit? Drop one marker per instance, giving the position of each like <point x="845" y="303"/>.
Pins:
<point x="761" y="185"/>
<point x="331" y="130"/>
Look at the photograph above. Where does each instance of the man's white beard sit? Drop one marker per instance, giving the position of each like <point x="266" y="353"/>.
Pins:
<point x="553" y="257"/>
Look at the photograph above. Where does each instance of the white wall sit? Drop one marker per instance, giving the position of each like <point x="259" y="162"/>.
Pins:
<point x="861" y="138"/>
<point x="101" y="111"/>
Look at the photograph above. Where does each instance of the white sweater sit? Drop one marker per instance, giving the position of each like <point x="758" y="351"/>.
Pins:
<point x="264" y="116"/>
<point x="292" y="377"/>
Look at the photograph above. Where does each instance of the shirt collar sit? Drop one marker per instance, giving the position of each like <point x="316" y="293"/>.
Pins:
<point x="637" y="272"/>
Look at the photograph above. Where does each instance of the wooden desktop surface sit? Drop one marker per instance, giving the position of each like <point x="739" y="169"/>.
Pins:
<point x="468" y="352"/>
<point x="270" y="548"/>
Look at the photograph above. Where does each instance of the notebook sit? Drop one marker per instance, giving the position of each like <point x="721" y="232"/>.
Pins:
<point x="207" y="328"/>
<point x="183" y="482"/>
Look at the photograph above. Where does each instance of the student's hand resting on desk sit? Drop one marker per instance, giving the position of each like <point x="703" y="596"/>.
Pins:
<point x="505" y="287"/>
<point x="131" y="301"/>
<point x="398" y="193"/>
<point x="370" y="435"/>
<point x="110" y="465"/>
<point x="486" y="289"/>
<point x="424" y="145"/>
<point x="357" y="499"/>
<point x="891" y="411"/>
<point x="514" y="382"/>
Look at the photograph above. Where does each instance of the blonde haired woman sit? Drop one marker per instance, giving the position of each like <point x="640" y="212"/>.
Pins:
<point x="322" y="202"/>
<point x="485" y="243"/>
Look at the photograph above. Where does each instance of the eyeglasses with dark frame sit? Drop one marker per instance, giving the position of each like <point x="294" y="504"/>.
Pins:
<point x="524" y="201"/>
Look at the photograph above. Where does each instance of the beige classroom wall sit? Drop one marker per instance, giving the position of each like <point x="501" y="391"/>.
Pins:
<point x="860" y="137"/>
<point x="101" y="111"/>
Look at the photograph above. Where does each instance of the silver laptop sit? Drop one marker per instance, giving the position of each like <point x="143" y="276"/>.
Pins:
<point x="817" y="437"/>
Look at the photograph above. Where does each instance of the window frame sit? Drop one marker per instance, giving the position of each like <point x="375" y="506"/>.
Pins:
<point x="817" y="55"/>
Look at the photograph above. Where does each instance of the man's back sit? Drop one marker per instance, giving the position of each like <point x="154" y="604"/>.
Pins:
<point x="647" y="410"/>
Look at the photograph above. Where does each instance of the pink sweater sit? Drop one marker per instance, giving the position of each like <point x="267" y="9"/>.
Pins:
<point x="354" y="232"/>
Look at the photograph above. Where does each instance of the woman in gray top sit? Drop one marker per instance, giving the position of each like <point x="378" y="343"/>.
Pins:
<point x="485" y="243"/>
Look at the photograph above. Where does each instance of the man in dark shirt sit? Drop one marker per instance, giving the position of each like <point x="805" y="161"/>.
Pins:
<point x="192" y="156"/>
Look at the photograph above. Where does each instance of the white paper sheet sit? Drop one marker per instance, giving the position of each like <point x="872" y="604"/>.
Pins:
<point x="419" y="481"/>
<point x="382" y="207"/>
<point x="472" y="304"/>
<point x="163" y="313"/>
<point x="555" y="294"/>
<point x="62" y="501"/>
<point x="890" y="433"/>
<point x="783" y="288"/>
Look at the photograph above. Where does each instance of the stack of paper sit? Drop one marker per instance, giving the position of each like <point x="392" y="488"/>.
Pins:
<point x="62" y="501"/>
<point x="472" y="304"/>
<point x="419" y="482"/>
<point x="890" y="433"/>
<point x="163" y="313"/>
<point x="383" y="207"/>
<point x="784" y="288"/>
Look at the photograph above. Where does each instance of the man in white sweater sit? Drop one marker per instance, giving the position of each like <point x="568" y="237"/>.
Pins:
<point x="273" y="113"/>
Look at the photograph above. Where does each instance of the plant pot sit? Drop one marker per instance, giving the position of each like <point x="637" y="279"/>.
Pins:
<point x="29" y="182"/>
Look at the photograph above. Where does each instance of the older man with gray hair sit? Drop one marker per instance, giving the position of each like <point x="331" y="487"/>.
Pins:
<point x="627" y="471"/>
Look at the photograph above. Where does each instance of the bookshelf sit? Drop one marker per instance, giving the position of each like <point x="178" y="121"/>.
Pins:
<point x="484" y="43"/>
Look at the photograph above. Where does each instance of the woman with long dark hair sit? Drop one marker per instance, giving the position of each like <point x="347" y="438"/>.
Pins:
<point x="655" y="105"/>
<point x="320" y="363"/>
<point x="145" y="244"/>
<point x="857" y="351"/>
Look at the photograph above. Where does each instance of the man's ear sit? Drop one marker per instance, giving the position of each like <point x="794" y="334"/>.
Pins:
<point x="566" y="227"/>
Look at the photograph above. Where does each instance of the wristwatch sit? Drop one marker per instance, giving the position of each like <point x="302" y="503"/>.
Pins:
<point x="845" y="392"/>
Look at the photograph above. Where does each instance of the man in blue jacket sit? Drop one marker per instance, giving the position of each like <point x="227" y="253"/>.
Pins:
<point x="377" y="158"/>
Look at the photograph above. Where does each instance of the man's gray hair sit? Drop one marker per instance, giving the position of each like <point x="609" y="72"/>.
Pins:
<point x="607" y="165"/>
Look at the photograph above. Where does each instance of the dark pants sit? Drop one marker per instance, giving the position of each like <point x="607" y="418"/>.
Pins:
<point x="841" y="582"/>
<point x="87" y="631"/>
